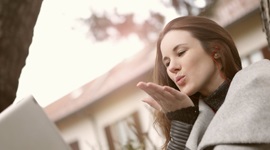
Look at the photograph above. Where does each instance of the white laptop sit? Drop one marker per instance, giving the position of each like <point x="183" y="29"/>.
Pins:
<point x="25" y="126"/>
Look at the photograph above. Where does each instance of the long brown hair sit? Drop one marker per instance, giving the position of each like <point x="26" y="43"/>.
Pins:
<point x="208" y="33"/>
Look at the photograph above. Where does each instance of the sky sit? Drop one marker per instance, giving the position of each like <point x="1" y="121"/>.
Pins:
<point x="62" y="57"/>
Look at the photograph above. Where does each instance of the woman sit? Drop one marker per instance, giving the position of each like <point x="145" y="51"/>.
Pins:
<point x="196" y="61"/>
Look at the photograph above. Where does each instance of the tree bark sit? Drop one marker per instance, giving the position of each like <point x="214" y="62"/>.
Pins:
<point x="17" y="21"/>
<point x="265" y="15"/>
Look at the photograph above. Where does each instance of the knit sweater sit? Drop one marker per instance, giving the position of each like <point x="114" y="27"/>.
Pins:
<point x="183" y="119"/>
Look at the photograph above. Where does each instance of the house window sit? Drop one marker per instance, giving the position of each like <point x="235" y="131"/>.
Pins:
<point x="74" y="145"/>
<point x="125" y="133"/>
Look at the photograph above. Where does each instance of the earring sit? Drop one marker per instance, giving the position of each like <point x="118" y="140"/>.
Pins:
<point x="216" y="56"/>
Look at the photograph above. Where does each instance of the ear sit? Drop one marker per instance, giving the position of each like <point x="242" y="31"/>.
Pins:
<point x="215" y="52"/>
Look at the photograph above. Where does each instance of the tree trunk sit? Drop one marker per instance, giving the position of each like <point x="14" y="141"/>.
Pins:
<point x="17" y="21"/>
<point x="265" y="15"/>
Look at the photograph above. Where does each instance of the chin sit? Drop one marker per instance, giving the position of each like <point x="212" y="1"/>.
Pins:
<point x="188" y="91"/>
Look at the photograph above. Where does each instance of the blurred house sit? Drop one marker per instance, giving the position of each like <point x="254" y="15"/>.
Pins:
<point x="107" y="113"/>
<point x="102" y="112"/>
<point x="242" y="19"/>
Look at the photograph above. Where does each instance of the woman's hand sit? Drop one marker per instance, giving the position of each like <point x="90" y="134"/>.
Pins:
<point x="164" y="98"/>
<point x="150" y="101"/>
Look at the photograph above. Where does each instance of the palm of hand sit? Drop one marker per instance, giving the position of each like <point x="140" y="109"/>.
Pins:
<point x="165" y="98"/>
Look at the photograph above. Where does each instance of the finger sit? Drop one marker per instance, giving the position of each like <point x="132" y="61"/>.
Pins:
<point x="145" y="87"/>
<point x="167" y="101"/>
<point x="164" y="98"/>
<point x="160" y="91"/>
<point x="174" y="92"/>
<point x="157" y="92"/>
<point x="152" y="103"/>
<point x="140" y="83"/>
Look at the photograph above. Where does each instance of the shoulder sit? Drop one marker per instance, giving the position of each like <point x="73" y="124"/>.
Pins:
<point x="247" y="101"/>
<point x="257" y="75"/>
<point x="250" y="86"/>
<point x="260" y="68"/>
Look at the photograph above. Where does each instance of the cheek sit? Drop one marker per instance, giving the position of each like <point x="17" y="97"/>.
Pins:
<point x="203" y="73"/>
<point x="199" y="71"/>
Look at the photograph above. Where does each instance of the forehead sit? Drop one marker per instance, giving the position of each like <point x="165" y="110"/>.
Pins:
<point x="175" y="37"/>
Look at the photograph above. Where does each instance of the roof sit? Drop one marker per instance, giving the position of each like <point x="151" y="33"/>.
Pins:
<point x="94" y="90"/>
<point x="227" y="12"/>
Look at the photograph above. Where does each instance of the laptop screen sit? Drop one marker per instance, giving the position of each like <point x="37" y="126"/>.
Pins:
<point x="25" y="126"/>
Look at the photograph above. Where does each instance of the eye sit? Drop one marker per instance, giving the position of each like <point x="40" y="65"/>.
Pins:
<point x="181" y="52"/>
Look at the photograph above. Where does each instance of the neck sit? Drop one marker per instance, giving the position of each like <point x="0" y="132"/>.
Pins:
<point x="212" y="86"/>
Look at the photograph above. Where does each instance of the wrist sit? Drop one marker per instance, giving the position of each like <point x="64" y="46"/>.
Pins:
<point x="186" y="115"/>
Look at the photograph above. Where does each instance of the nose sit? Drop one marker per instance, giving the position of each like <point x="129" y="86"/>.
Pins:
<point x="174" y="67"/>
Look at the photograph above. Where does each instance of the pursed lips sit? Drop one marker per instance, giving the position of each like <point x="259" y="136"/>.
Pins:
<point x="180" y="80"/>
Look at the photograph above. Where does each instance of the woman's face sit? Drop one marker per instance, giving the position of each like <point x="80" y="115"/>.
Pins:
<point x="188" y="64"/>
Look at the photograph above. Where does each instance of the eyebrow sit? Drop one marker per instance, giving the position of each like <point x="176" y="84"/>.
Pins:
<point x="174" y="49"/>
